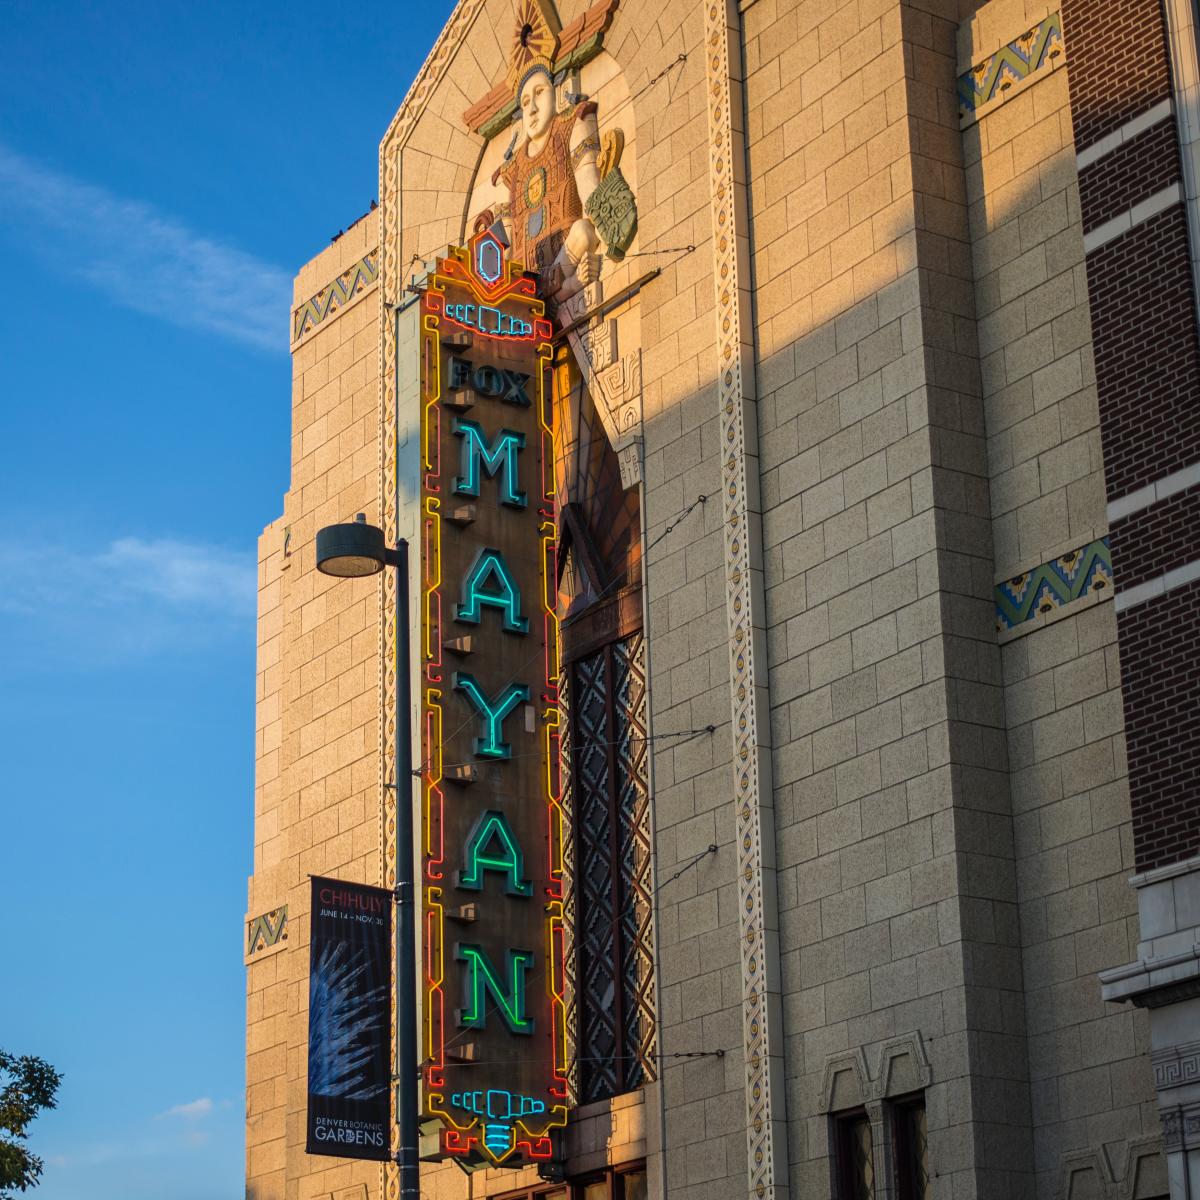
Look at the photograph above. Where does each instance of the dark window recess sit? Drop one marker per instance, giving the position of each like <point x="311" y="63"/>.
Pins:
<point x="912" y="1149"/>
<point x="616" y="1183"/>
<point x="606" y="799"/>
<point x="855" y="1159"/>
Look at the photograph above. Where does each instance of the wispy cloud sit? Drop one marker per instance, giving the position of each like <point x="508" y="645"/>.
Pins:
<point x="181" y="573"/>
<point x="133" y="597"/>
<point x="146" y="259"/>
<point x="192" y="1110"/>
<point x="180" y="1128"/>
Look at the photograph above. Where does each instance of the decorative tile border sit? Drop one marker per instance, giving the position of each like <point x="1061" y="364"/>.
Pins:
<point x="335" y="296"/>
<point x="266" y="933"/>
<point x="1063" y="580"/>
<point x="1037" y="49"/>
<point x="766" y="1128"/>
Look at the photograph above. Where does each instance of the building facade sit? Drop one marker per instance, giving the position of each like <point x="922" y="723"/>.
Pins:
<point x="874" y="389"/>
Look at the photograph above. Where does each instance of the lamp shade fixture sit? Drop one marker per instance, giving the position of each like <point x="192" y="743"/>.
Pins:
<point x="351" y="550"/>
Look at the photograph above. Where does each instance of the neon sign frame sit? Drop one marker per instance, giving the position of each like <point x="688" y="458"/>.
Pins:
<point x="483" y="1122"/>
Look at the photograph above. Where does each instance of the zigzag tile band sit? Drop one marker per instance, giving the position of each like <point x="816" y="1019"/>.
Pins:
<point x="336" y="295"/>
<point x="266" y="931"/>
<point x="1054" y="584"/>
<point x="1034" y="49"/>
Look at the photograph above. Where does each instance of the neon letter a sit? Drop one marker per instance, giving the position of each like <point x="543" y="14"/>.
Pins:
<point x="491" y="570"/>
<point x="492" y="846"/>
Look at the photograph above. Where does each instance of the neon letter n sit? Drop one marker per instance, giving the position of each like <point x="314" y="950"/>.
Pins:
<point x="480" y="981"/>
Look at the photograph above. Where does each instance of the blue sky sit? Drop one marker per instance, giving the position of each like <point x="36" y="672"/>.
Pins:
<point x="164" y="170"/>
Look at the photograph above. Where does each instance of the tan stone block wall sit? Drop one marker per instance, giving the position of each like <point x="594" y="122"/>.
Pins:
<point x="868" y="887"/>
<point x="894" y="839"/>
<point x="1038" y="373"/>
<point x="1090" y="1074"/>
<point x="316" y="785"/>
<point x="1090" y="1080"/>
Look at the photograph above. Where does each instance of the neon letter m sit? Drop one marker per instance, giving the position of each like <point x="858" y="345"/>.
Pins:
<point x="498" y="458"/>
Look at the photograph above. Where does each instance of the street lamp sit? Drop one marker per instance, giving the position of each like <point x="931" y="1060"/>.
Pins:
<point x="351" y="551"/>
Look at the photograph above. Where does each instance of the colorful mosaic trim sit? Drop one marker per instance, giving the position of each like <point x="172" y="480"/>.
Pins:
<point x="1041" y="46"/>
<point x="335" y="296"/>
<point x="266" y="931"/>
<point x="766" y="1139"/>
<point x="1054" y="585"/>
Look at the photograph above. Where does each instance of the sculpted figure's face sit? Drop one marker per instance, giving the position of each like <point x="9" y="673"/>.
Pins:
<point x="537" y="106"/>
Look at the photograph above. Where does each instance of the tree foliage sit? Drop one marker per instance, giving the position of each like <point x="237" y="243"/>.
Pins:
<point x="28" y="1086"/>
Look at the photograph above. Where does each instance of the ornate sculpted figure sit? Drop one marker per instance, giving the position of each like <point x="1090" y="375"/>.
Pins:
<point x="551" y="174"/>
<point x="567" y="201"/>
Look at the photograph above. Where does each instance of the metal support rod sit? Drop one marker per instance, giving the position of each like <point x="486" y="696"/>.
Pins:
<point x="406" y="934"/>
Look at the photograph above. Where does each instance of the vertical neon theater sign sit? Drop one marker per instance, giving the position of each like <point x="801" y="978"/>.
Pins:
<point x="494" y="1017"/>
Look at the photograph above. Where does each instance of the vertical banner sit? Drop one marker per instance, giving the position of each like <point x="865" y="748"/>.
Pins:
<point x="349" y="1020"/>
<point x="494" y="1035"/>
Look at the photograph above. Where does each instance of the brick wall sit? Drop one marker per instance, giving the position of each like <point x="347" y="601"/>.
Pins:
<point x="1088" y="1081"/>
<point x="1118" y="55"/>
<point x="1159" y="538"/>
<point x="1160" y="655"/>
<point x="1043" y="427"/>
<point x="1147" y="352"/>
<point x="897" y="883"/>
<point x="1142" y="296"/>
<point x="1133" y="172"/>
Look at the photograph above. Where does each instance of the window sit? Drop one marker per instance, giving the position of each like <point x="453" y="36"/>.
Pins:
<point x="855" y="1159"/>
<point x="633" y="1185"/>
<point x="605" y="781"/>
<point x="606" y="797"/>
<point x="912" y="1149"/>
<point x="616" y="1183"/>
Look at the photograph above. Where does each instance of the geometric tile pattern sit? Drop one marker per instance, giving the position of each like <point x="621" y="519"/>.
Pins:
<point x="751" y="794"/>
<point x="335" y="295"/>
<point x="1034" y="49"/>
<point x="266" y="931"/>
<point x="595" y="913"/>
<point x="611" y="1004"/>
<point x="633" y="805"/>
<point x="1054" y="584"/>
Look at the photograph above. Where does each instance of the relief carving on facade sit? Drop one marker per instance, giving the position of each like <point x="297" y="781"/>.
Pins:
<point x="563" y="203"/>
<point x="1176" y="1066"/>
<point x="615" y="384"/>
<point x="1122" y="1170"/>
<point x="901" y="1065"/>
<point x="567" y="201"/>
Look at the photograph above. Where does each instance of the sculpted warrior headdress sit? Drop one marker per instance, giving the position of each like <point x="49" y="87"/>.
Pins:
<point x="535" y="43"/>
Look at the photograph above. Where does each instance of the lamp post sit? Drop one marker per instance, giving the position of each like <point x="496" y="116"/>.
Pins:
<point x="351" y="551"/>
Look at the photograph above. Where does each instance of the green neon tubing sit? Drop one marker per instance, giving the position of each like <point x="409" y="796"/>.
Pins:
<point x="491" y="570"/>
<point x="495" y="459"/>
<point x="493" y="827"/>
<point x="482" y="981"/>
<point x="493" y="712"/>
